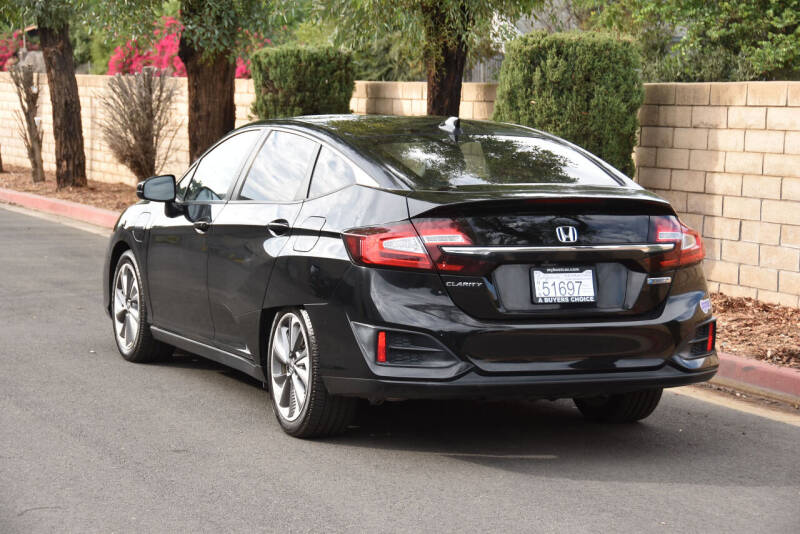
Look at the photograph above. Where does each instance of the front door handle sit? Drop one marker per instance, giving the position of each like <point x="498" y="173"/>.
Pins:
<point x="202" y="226"/>
<point x="279" y="227"/>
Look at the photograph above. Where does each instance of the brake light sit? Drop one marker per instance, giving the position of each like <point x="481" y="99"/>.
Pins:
<point x="688" y="248"/>
<point x="413" y="246"/>
<point x="391" y="245"/>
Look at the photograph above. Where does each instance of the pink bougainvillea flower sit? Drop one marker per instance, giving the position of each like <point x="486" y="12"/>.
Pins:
<point x="163" y="54"/>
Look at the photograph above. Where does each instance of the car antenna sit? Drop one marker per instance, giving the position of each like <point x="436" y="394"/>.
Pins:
<point x="452" y="125"/>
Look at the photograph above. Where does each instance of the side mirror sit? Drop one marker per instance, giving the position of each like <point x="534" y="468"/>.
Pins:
<point x="157" y="188"/>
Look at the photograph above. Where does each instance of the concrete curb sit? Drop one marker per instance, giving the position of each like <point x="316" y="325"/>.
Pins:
<point x="64" y="208"/>
<point x="761" y="378"/>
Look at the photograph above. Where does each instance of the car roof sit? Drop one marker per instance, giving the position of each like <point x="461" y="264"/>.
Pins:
<point x="349" y="131"/>
<point x="378" y="125"/>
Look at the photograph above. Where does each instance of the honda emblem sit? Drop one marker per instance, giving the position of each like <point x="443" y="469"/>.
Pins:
<point x="567" y="234"/>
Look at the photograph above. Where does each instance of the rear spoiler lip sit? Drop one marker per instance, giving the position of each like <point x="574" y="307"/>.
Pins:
<point x="621" y="200"/>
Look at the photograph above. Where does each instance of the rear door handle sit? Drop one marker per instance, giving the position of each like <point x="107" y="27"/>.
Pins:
<point x="202" y="226"/>
<point x="279" y="227"/>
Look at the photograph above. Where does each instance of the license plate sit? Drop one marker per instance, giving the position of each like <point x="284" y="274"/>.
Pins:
<point x="563" y="285"/>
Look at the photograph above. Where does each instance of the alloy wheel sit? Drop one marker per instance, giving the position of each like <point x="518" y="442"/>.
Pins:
<point x="126" y="307"/>
<point x="289" y="367"/>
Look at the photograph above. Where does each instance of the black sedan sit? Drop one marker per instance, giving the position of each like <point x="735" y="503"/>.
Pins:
<point x="338" y="258"/>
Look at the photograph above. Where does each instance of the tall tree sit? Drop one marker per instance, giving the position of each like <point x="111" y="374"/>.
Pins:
<point x="213" y="35"/>
<point x="53" y="18"/>
<point x="446" y="29"/>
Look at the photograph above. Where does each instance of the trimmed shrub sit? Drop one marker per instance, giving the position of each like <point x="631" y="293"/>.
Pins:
<point x="293" y="80"/>
<point x="585" y="87"/>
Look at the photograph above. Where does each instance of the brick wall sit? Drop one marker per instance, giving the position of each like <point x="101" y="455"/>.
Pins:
<point x="100" y="164"/>
<point x="410" y="98"/>
<point x="727" y="155"/>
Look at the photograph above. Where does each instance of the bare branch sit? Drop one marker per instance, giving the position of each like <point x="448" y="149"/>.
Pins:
<point x="26" y="83"/>
<point x="137" y="124"/>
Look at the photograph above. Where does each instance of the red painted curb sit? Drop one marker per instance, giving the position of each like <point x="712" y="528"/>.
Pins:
<point x="65" y="208"/>
<point x="761" y="375"/>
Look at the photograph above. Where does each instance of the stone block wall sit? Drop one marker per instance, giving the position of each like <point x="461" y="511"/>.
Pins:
<point x="410" y="98"/>
<point x="100" y="164"/>
<point x="727" y="155"/>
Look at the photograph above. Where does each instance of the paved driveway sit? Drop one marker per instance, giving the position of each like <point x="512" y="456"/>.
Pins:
<point x="90" y="443"/>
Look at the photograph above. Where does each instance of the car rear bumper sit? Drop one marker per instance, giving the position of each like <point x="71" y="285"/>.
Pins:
<point x="474" y="385"/>
<point x="532" y="358"/>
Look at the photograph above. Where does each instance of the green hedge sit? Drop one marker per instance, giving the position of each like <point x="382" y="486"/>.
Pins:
<point x="585" y="87"/>
<point x="293" y="80"/>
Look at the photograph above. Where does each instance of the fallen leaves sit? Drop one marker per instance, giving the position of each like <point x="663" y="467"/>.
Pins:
<point x="115" y="197"/>
<point x="747" y="327"/>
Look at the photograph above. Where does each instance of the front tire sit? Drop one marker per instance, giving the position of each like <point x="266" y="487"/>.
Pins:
<point x="301" y="403"/>
<point x="620" y="408"/>
<point x="129" y="315"/>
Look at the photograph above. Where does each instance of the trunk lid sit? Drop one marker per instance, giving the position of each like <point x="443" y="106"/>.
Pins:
<point x="545" y="252"/>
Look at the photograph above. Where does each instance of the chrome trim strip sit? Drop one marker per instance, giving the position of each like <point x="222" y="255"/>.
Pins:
<point x="488" y="251"/>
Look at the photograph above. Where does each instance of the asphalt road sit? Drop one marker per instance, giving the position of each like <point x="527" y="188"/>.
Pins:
<point x="91" y="443"/>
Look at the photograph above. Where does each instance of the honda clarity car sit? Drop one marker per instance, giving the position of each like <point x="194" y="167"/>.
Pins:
<point x="338" y="258"/>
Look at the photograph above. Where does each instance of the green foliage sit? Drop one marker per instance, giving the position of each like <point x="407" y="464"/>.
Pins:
<point x="125" y="15"/>
<point x="722" y="41"/>
<point x="389" y="58"/>
<point x="216" y="26"/>
<point x="423" y="28"/>
<point x="296" y="80"/>
<point x="93" y="47"/>
<point x="584" y="87"/>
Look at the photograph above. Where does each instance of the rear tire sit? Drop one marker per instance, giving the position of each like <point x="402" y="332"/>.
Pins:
<point x="129" y="315"/>
<point x="620" y="408"/>
<point x="302" y="405"/>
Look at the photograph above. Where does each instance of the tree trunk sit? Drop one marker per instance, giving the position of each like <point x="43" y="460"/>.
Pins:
<point x="35" y="155"/>
<point x="67" y="128"/>
<point x="445" y="59"/>
<point x="211" y="89"/>
<point x="444" y="81"/>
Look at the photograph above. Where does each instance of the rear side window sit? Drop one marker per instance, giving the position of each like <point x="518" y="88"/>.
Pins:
<point x="278" y="173"/>
<point x="332" y="172"/>
<point x="218" y="169"/>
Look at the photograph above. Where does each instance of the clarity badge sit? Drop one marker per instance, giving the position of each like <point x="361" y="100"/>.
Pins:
<point x="705" y="305"/>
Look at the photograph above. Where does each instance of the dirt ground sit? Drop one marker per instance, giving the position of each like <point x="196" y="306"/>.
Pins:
<point x="115" y="197"/>
<point x="746" y="327"/>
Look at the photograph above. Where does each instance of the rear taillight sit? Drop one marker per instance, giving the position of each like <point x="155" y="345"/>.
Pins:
<point x="439" y="235"/>
<point x="390" y="245"/>
<point x="412" y="246"/>
<point x="688" y="248"/>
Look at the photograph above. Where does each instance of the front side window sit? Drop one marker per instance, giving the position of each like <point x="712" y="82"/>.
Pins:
<point x="278" y="173"/>
<point x="332" y="172"/>
<point x="218" y="169"/>
<point x="183" y="183"/>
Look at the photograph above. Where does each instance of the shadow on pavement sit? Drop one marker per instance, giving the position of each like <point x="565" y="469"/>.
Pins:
<point x="685" y="441"/>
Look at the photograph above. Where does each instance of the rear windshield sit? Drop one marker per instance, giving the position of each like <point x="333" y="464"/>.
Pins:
<point x="444" y="162"/>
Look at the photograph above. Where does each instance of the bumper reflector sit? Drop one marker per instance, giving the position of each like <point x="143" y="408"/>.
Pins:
<point x="704" y="340"/>
<point x="380" y="355"/>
